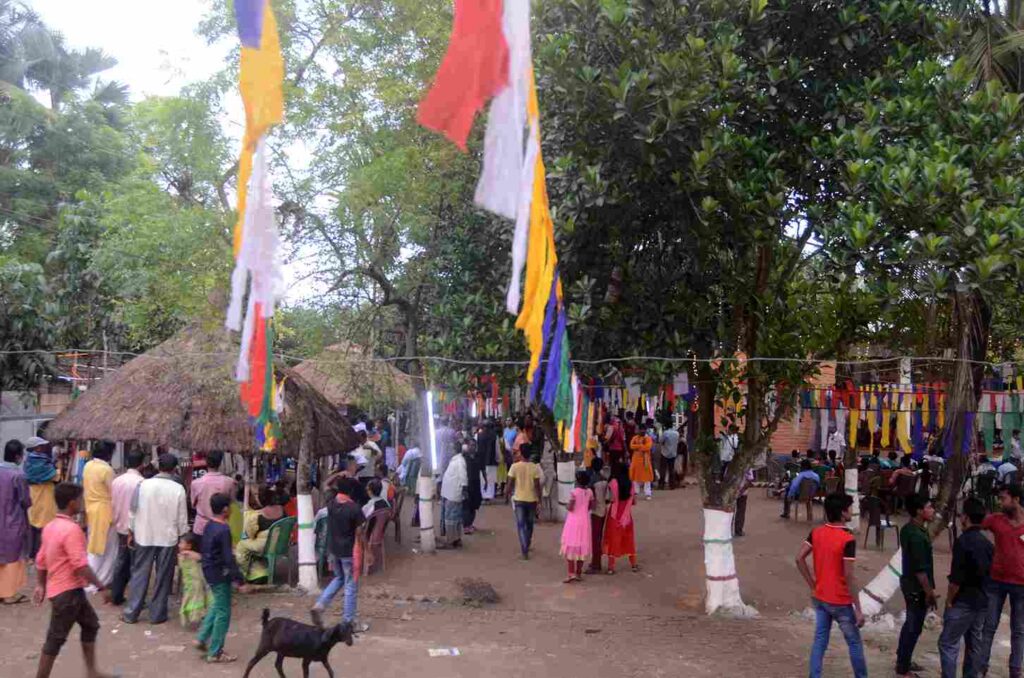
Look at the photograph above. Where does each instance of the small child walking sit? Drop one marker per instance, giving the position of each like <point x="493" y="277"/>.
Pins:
<point x="576" y="538"/>
<point x="220" y="569"/>
<point x="195" y="594"/>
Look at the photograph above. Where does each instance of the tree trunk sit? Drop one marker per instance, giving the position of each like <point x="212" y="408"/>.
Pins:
<point x="974" y="317"/>
<point x="425" y="483"/>
<point x="718" y="494"/>
<point x="308" y="579"/>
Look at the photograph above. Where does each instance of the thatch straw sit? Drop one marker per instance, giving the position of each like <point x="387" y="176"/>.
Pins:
<point x="182" y="395"/>
<point x="346" y="375"/>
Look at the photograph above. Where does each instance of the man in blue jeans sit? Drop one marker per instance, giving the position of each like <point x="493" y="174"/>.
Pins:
<point x="966" y="601"/>
<point x="832" y="584"/>
<point x="918" y="580"/>
<point x="525" y="490"/>
<point x="344" y="531"/>
<point x="1006" y="579"/>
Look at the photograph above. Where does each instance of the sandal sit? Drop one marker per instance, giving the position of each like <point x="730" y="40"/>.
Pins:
<point x="199" y="646"/>
<point x="16" y="599"/>
<point x="569" y="580"/>
<point x="636" y="568"/>
<point x="610" y="572"/>
<point x="221" y="658"/>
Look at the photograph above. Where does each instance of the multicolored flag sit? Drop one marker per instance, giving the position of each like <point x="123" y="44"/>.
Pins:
<point x="489" y="56"/>
<point x="256" y="240"/>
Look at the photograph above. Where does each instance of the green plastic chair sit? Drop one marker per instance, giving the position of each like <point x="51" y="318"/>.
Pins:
<point x="278" y="542"/>
<point x="320" y="530"/>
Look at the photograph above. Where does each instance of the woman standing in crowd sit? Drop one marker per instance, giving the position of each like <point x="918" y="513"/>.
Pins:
<point x="619" y="538"/>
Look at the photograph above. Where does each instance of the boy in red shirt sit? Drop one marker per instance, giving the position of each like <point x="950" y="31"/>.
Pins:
<point x="832" y="585"/>
<point x="1006" y="579"/>
<point x="64" y="573"/>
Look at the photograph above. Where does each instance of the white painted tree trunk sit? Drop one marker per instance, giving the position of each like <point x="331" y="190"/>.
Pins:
<point x="425" y="487"/>
<point x="850" y="483"/>
<point x="565" y="474"/>
<point x="723" y="584"/>
<point x="308" y="579"/>
<point x="882" y="587"/>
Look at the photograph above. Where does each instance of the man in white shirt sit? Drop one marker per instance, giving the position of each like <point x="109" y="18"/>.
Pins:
<point x="1015" y="450"/>
<point x="122" y="492"/>
<point x="159" y="517"/>
<point x="370" y="451"/>
<point x="454" y="487"/>
<point x="1006" y="468"/>
<point x="727" y="447"/>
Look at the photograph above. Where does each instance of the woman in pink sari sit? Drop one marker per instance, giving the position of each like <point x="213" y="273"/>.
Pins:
<point x="619" y="538"/>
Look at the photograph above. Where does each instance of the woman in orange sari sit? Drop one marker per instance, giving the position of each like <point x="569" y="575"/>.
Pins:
<point x="641" y="470"/>
<point x="619" y="537"/>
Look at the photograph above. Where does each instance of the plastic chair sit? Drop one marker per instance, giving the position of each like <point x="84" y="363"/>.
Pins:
<point x="806" y="491"/>
<point x="905" y="487"/>
<point x="984" y="488"/>
<point x="278" y="546"/>
<point x="871" y="506"/>
<point x="320" y="530"/>
<point x="831" y="485"/>
<point x="375" y="541"/>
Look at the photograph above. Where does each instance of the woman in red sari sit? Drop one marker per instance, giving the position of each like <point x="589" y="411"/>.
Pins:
<point x="619" y="538"/>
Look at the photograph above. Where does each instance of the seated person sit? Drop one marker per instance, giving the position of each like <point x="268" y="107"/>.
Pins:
<point x="1005" y="469"/>
<point x="377" y="500"/>
<point x="794" y="486"/>
<point x="349" y="469"/>
<point x="891" y="461"/>
<point x="903" y="470"/>
<point x="984" y="466"/>
<point x="256" y="525"/>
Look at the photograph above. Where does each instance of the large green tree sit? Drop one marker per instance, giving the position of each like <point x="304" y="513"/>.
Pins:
<point x="685" y="164"/>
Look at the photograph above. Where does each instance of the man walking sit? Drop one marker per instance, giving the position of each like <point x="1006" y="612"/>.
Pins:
<point x="454" y="490"/>
<point x="159" y="517"/>
<point x="344" y="526"/>
<point x="669" y="452"/>
<point x="1006" y="579"/>
<point x="14" y="528"/>
<point x="832" y="584"/>
<point x="122" y="492"/>
<point x="213" y="482"/>
<point x="525" y="490"/>
<point x="966" y="601"/>
<point x="97" y="479"/>
<point x="918" y="580"/>
<point x="63" y="569"/>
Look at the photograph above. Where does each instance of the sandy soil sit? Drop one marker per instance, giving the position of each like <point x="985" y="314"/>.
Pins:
<point x="645" y="624"/>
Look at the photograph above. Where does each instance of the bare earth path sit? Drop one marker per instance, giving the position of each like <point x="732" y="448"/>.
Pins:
<point x="647" y="624"/>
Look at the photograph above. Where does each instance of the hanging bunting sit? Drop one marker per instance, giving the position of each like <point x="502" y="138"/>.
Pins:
<point x="261" y="74"/>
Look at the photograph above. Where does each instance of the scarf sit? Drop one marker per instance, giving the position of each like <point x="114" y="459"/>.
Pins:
<point x="39" y="468"/>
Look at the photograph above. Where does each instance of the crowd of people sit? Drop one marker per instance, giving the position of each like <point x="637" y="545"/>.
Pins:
<point x="983" y="574"/>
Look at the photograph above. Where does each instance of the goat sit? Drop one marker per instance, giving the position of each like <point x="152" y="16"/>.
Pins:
<point x="289" y="638"/>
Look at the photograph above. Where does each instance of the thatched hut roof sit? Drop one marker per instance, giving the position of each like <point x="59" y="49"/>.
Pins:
<point x="346" y="375"/>
<point x="182" y="395"/>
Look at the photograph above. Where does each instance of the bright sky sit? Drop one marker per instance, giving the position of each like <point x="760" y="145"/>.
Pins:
<point x="155" y="43"/>
<point x="158" y="52"/>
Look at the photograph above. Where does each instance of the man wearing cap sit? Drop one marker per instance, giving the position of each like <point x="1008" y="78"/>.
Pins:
<point x="41" y="474"/>
<point x="367" y="454"/>
<point x="159" y="517"/>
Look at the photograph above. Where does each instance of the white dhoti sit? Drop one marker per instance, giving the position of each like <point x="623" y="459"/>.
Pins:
<point x="103" y="565"/>
<point x="492" y="481"/>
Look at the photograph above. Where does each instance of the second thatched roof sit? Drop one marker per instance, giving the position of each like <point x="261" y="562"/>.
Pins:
<point x="182" y="395"/>
<point x="347" y="375"/>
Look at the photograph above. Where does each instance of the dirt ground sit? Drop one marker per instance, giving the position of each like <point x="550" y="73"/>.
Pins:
<point x="645" y="624"/>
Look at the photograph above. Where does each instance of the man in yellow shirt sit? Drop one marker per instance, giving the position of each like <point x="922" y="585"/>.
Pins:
<point x="41" y="474"/>
<point x="525" y="490"/>
<point x="97" y="481"/>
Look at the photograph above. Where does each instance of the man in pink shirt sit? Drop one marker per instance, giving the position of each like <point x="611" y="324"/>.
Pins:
<point x="64" y="572"/>
<point x="213" y="482"/>
<point x="122" y="491"/>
